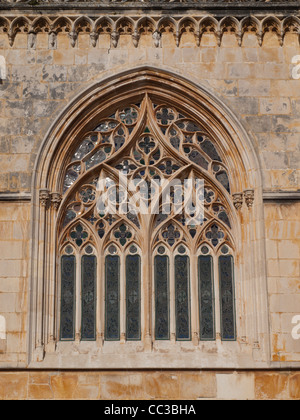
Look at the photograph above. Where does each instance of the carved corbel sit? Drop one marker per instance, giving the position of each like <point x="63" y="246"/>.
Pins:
<point x="157" y="39"/>
<point x="94" y="38"/>
<point x="238" y="200"/>
<point x="136" y="38"/>
<point x="52" y="40"/>
<point x="115" y="36"/>
<point x="44" y="197"/>
<point x="56" y="199"/>
<point x="198" y="38"/>
<point x="249" y="198"/>
<point x="31" y="40"/>
<point x="73" y="38"/>
<point x="177" y="36"/>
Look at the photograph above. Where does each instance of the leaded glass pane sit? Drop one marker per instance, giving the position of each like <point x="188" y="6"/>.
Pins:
<point x="182" y="304"/>
<point x="67" y="317"/>
<point x="133" y="297"/>
<point x="226" y="267"/>
<point x="206" y="298"/>
<point x="88" y="296"/>
<point x="162" y="299"/>
<point x="112" y="298"/>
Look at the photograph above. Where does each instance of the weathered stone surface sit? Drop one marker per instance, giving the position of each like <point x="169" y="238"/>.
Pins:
<point x="255" y="83"/>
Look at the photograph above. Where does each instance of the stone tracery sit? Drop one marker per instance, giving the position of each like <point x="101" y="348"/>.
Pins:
<point x="136" y="27"/>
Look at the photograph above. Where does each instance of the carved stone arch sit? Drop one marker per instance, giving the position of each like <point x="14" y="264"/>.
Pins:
<point x="209" y="24"/>
<point x="291" y="25"/>
<point x="167" y="22"/>
<point x="253" y="25"/>
<point x="272" y="24"/>
<point x="83" y="24"/>
<point x="4" y="25"/>
<point x="146" y="24"/>
<point x="19" y="24"/>
<point x="62" y="24"/>
<point x="80" y="117"/>
<point x="104" y="24"/>
<point x="41" y="24"/>
<point x="231" y="25"/>
<point x="189" y="24"/>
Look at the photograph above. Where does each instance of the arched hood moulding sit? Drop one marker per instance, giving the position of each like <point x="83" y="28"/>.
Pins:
<point x="80" y="116"/>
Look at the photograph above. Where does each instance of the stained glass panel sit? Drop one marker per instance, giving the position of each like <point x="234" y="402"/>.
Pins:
<point x="112" y="298"/>
<point x="226" y="267"/>
<point x="162" y="299"/>
<point x="182" y="298"/>
<point x="88" y="297"/>
<point x="206" y="298"/>
<point x="67" y="318"/>
<point x="133" y="297"/>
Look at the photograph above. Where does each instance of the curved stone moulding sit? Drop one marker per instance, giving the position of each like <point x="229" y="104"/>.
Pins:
<point x="136" y="26"/>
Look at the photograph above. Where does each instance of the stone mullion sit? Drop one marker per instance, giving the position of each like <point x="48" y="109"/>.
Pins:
<point x="123" y="298"/>
<point x="217" y="301"/>
<point x="172" y="299"/>
<point x="194" y="298"/>
<point x="147" y="274"/>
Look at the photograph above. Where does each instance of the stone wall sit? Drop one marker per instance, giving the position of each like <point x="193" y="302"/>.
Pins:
<point x="170" y="385"/>
<point x="256" y="83"/>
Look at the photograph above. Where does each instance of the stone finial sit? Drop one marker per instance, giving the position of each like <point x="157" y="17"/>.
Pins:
<point x="249" y="198"/>
<point x="56" y="200"/>
<point x="44" y="197"/>
<point x="238" y="200"/>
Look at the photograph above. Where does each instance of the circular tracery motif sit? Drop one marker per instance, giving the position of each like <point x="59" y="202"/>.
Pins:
<point x="147" y="162"/>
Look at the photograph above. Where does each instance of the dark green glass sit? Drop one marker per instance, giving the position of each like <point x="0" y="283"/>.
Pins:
<point x="88" y="297"/>
<point x="67" y="315"/>
<point x="112" y="298"/>
<point x="227" y="298"/>
<point x="133" y="297"/>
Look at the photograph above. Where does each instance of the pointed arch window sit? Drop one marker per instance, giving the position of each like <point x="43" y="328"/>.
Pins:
<point x="133" y="266"/>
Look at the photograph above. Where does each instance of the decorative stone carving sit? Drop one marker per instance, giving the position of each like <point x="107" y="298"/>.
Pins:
<point x="56" y="200"/>
<point x="249" y="198"/>
<point x="44" y="197"/>
<point x="115" y="26"/>
<point x="238" y="200"/>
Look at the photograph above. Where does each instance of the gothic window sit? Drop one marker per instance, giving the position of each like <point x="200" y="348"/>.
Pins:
<point x="132" y="238"/>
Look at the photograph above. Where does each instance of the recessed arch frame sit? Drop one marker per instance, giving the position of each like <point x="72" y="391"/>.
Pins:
<point x="245" y="175"/>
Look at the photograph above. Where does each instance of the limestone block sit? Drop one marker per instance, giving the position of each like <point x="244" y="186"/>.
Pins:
<point x="275" y="106"/>
<point x="124" y="386"/>
<point x="234" y="386"/>
<point x="13" y="386"/>
<point x="55" y="73"/>
<point x="271" y="386"/>
<point x="295" y="386"/>
<point x="198" y="385"/>
<point x="254" y="87"/>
